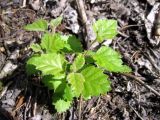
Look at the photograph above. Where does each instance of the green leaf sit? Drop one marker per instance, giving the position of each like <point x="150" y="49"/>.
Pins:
<point x="78" y="62"/>
<point x="61" y="89"/>
<point x="88" y="57"/>
<point x="30" y="67"/>
<point x="105" y="29"/>
<point x="96" y="82"/>
<point x="50" y="82"/>
<point x="65" y="94"/>
<point x="52" y="42"/>
<point x="68" y="93"/>
<point x="36" y="47"/>
<point x="49" y="64"/>
<point x="55" y="22"/>
<point x="39" y="25"/>
<point x="76" y="80"/>
<point x="62" y="105"/>
<point x="72" y="44"/>
<point x="110" y="60"/>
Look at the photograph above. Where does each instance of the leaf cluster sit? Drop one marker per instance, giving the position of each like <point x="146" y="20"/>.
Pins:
<point x="84" y="75"/>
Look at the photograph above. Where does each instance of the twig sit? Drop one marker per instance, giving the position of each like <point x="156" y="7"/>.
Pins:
<point x="147" y="55"/>
<point x="142" y="83"/>
<point x="123" y="34"/>
<point x="128" y="26"/>
<point x="5" y="89"/>
<point x="35" y="104"/>
<point x="80" y="108"/>
<point x="81" y="9"/>
<point x="90" y="35"/>
<point x="24" y="3"/>
<point x="14" y="111"/>
<point x="34" y="108"/>
<point x="27" y="108"/>
<point x="136" y="112"/>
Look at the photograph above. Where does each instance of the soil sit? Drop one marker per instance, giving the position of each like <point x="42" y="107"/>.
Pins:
<point x="25" y="98"/>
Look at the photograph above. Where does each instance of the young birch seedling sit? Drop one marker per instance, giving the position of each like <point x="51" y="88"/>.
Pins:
<point x="84" y="76"/>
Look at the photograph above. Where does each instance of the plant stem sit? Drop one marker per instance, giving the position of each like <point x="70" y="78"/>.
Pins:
<point x="80" y="108"/>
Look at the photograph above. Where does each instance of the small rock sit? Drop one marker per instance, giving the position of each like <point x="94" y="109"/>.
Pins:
<point x="7" y="69"/>
<point x="10" y="102"/>
<point x="35" y="4"/>
<point x="71" y="17"/>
